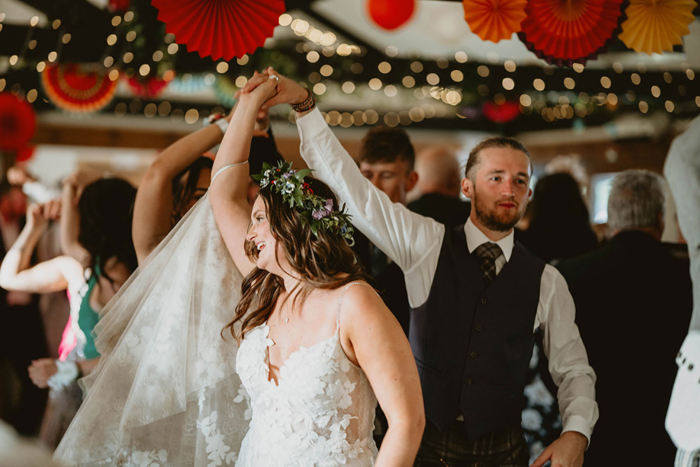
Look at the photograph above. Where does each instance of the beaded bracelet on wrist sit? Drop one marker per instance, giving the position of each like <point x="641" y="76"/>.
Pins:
<point x="307" y="104"/>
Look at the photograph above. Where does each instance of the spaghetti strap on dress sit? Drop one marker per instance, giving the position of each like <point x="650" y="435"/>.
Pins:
<point x="319" y="413"/>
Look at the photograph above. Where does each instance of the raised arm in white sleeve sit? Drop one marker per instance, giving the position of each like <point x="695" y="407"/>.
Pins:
<point x="568" y="361"/>
<point x="682" y="170"/>
<point x="412" y="241"/>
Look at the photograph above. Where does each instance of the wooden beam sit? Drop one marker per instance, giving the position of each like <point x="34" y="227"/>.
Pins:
<point x="50" y="133"/>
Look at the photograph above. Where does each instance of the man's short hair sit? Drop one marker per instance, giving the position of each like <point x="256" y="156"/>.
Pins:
<point x="386" y="144"/>
<point x="493" y="142"/>
<point x="637" y="200"/>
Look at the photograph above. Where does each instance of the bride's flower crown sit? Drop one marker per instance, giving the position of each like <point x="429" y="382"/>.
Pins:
<point x="315" y="210"/>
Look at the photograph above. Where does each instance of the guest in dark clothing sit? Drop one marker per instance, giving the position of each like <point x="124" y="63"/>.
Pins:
<point x="559" y="227"/>
<point x="440" y="186"/>
<point x="21" y="402"/>
<point x="633" y="304"/>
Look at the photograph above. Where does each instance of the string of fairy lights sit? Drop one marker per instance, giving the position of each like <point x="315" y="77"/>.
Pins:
<point x="395" y="90"/>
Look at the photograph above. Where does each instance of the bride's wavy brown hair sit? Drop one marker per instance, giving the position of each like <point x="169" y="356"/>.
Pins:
<point x="323" y="262"/>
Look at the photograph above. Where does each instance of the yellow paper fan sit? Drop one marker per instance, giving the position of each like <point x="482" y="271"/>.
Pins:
<point x="653" y="26"/>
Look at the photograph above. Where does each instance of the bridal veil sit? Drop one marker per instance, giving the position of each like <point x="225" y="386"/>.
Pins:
<point x="166" y="391"/>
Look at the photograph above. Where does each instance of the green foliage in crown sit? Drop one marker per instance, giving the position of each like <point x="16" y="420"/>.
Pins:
<point x="318" y="212"/>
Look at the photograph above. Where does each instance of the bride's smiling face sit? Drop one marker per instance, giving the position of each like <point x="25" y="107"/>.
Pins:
<point x="261" y="236"/>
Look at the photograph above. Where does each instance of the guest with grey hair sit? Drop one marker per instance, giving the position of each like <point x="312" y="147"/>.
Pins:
<point x="637" y="202"/>
<point x="633" y="302"/>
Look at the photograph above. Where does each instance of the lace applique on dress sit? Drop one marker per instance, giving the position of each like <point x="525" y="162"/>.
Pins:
<point x="321" y="412"/>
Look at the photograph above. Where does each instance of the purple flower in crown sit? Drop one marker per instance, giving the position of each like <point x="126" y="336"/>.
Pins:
<point x="325" y="211"/>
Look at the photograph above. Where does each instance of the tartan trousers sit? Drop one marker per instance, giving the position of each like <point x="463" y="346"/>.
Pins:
<point x="451" y="448"/>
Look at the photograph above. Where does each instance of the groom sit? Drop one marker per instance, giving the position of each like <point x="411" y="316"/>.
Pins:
<point x="476" y="299"/>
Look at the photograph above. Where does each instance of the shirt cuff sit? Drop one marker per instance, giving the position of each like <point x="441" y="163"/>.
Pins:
<point x="40" y="193"/>
<point x="683" y="418"/>
<point x="687" y="458"/>
<point x="67" y="373"/>
<point x="578" y="424"/>
<point x="313" y="123"/>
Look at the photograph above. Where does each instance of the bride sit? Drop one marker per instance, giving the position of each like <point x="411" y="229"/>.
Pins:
<point x="317" y="344"/>
<point x="317" y="347"/>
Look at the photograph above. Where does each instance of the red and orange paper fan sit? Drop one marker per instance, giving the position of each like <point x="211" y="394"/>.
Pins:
<point x="17" y="122"/>
<point x="78" y="88"/>
<point x="572" y="31"/>
<point x="494" y="20"/>
<point x="653" y="26"/>
<point x="220" y="28"/>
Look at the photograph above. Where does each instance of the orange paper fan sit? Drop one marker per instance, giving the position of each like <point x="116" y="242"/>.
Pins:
<point x="220" y="28"/>
<point x="653" y="26"/>
<point x="564" y="33"/>
<point x="494" y="20"/>
<point x="78" y="88"/>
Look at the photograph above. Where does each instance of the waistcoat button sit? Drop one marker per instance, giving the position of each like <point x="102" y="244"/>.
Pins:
<point x="483" y="300"/>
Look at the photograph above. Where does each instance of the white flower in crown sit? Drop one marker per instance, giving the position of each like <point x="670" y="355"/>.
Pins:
<point x="288" y="188"/>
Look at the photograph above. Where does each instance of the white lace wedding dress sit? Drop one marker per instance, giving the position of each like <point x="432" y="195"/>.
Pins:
<point x="320" y="415"/>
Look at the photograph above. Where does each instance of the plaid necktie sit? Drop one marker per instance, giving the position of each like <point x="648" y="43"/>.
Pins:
<point x="486" y="254"/>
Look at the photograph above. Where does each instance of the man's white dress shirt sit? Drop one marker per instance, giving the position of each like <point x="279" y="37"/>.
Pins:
<point x="414" y="242"/>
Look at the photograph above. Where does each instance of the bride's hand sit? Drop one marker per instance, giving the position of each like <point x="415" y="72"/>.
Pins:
<point x="265" y="89"/>
<point x="288" y="92"/>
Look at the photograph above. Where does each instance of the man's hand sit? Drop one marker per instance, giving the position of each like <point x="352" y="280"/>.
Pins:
<point x="17" y="175"/>
<point x="41" y="370"/>
<point x="567" y="451"/>
<point x="288" y="92"/>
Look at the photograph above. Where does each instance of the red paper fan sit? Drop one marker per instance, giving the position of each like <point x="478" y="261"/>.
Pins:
<point x="220" y="28"/>
<point x="17" y="122"/>
<point x="147" y="88"/>
<point x="25" y="153"/>
<point x="501" y="113"/>
<point x="563" y="33"/>
<point x="78" y="88"/>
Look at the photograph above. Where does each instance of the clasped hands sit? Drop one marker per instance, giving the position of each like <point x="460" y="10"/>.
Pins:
<point x="273" y="89"/>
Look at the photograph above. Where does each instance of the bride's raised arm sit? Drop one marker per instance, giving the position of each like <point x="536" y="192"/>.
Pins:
<point x="229" y="184"/>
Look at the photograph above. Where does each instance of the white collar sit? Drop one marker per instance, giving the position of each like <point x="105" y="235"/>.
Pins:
<point x="476" y="237"/>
